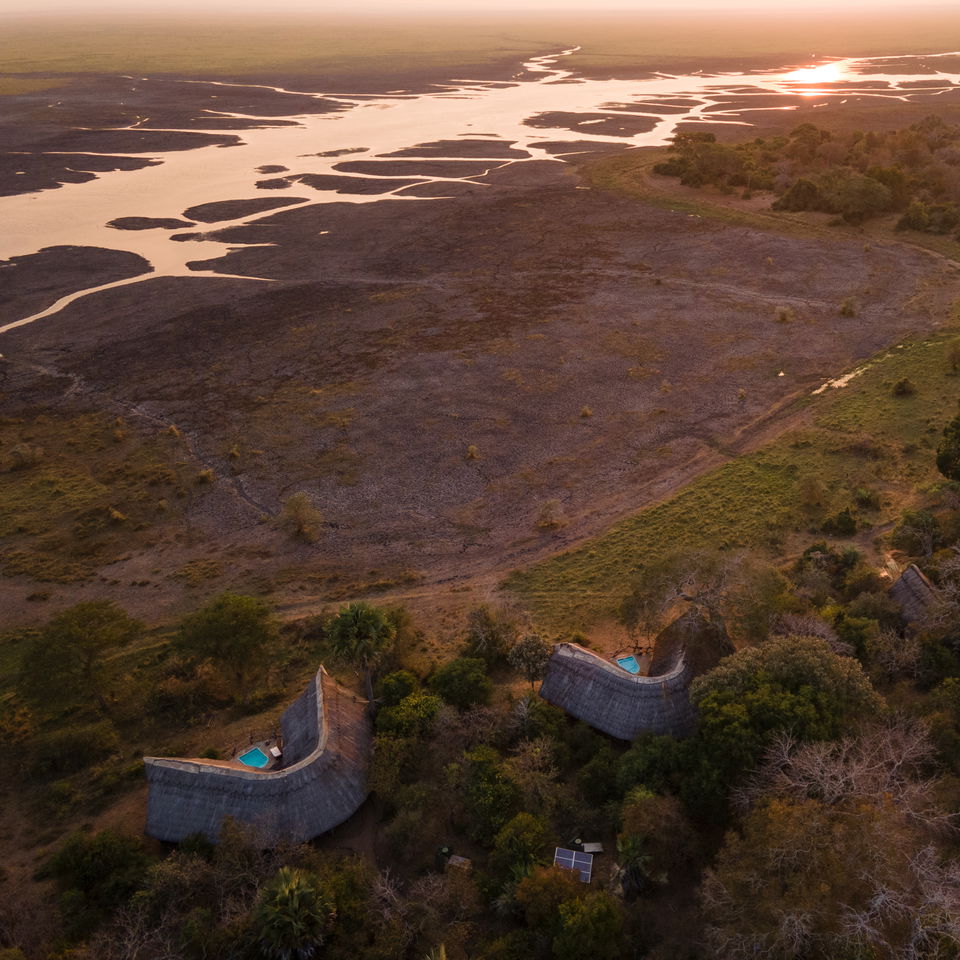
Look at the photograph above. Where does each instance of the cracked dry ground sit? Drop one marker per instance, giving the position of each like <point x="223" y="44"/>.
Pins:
<point x="583" y="347"/>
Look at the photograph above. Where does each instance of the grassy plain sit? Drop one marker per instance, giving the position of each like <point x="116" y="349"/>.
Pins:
<point x="12" y="86"/>
<point x="857" y="438"/>
<point x="384" y="45"/>
<point x="78" y="491"/>
<point x="288" y="47"/>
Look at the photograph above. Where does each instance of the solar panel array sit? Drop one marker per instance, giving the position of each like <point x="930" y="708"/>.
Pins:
<point x="573" y="860"/>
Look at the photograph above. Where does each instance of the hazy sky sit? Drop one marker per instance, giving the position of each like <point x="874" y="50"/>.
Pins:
<point x="442" y="6"/>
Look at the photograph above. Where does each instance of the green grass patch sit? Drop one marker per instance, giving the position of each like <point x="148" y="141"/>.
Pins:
<point x="77" y="492"/>
<point x="860" y="436"/>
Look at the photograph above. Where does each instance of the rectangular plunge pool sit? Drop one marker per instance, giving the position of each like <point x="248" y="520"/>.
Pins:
<point x="254" y="758"/>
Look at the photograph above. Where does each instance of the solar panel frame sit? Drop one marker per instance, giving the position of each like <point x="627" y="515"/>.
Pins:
<point x="582" y="863"/>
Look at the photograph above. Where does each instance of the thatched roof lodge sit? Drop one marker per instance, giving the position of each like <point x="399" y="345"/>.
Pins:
<point x="914" y="593"/>
<point x="326" y="747"/>
<point x="615" y="702"/>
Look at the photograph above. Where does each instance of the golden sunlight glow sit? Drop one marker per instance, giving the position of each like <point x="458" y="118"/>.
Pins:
<point x="825" y="73"/>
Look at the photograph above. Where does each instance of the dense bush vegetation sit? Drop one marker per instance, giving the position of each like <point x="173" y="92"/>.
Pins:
<point x="914" y="172"/>
<point x="810" y="815"/>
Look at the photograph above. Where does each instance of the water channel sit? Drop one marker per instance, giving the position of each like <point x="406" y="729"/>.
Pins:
<point x="370" y="128"/>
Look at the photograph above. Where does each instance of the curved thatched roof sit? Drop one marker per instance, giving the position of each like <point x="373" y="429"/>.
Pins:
<point x="616" y="702"/>
<point x="914" y="594"/>
<point x="326" y="737"/>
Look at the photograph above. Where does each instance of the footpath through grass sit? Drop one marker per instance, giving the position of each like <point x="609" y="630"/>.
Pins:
<point x="862" y="444"/>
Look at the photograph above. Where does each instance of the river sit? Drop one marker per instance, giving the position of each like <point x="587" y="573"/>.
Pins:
<point x="370" y="128"/>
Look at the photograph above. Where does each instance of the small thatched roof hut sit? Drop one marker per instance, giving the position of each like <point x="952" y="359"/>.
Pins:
<point x="326" y="748"/>
<point x="616" y="702"/>
<point x="914" y="593"/>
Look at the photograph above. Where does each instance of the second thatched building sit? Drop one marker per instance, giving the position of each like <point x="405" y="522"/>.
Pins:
<point x="616" y="702"/>
<point x="623" y="704"/>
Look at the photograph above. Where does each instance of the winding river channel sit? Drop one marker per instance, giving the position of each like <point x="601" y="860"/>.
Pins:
<point x="534" y="115"/>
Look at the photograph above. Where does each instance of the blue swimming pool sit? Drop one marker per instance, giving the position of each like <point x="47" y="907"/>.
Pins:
<point x="254" y="758"/>
<point x="629" y="664"/>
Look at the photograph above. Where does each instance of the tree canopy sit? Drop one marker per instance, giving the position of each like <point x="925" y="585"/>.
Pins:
<point x="948" y="450"/>
<point x="233" y="631"/>
<point x="292" y="918"/>
<point x="66" y="661"/>
<point x="463" y="682"/>
<point x="793" y="683"/>
<point x="361" y="634"/>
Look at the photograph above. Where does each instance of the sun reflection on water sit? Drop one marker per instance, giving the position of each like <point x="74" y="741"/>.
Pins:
<point x="809" y="79"/>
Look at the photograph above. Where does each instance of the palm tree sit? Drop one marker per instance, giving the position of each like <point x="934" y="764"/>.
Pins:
<point x="635" y="865"/>
<point x="292" y="918"/>
<point x="361" y="634"/>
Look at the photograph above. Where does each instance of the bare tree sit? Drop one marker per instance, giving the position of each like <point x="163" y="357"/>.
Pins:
<point x="887" y="763"/>
<point x="895" y="656"/>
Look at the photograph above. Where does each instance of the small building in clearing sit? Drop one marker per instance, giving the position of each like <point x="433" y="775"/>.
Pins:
<point x="327" y="739"/>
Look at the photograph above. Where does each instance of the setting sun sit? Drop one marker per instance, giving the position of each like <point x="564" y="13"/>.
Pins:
<point x="832" y="72"/>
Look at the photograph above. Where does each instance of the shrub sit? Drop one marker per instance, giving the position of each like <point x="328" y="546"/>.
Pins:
<point x="952" y="354"/>
<point x="917" y="533"/>
<point x="597" y="779"/>
<point x="300" y="518"/>
<point x="530" y="656"/>
<point x="185" y="696"/>
<point x="802" y="195"/>
<point x="24" y="455"/>
<point x="551" y="516"/>
<point x="491" y="632"/>
<point x="413" y="716"/>
<point x="293" y="917"/>
<point x="812" y="492"/>
<point x="67" y="750"/>
<point x="948" y="450"/>
<point x="591" y="928"/>
<point x="491" y="797"/>
<point x="463" y="682"/>
<point x="520" y="845"/>
<point x="395" y="686"/>
<point x="904" y="387"/>
<point x="842" y="524"/>
<point x="96" y="874"/>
